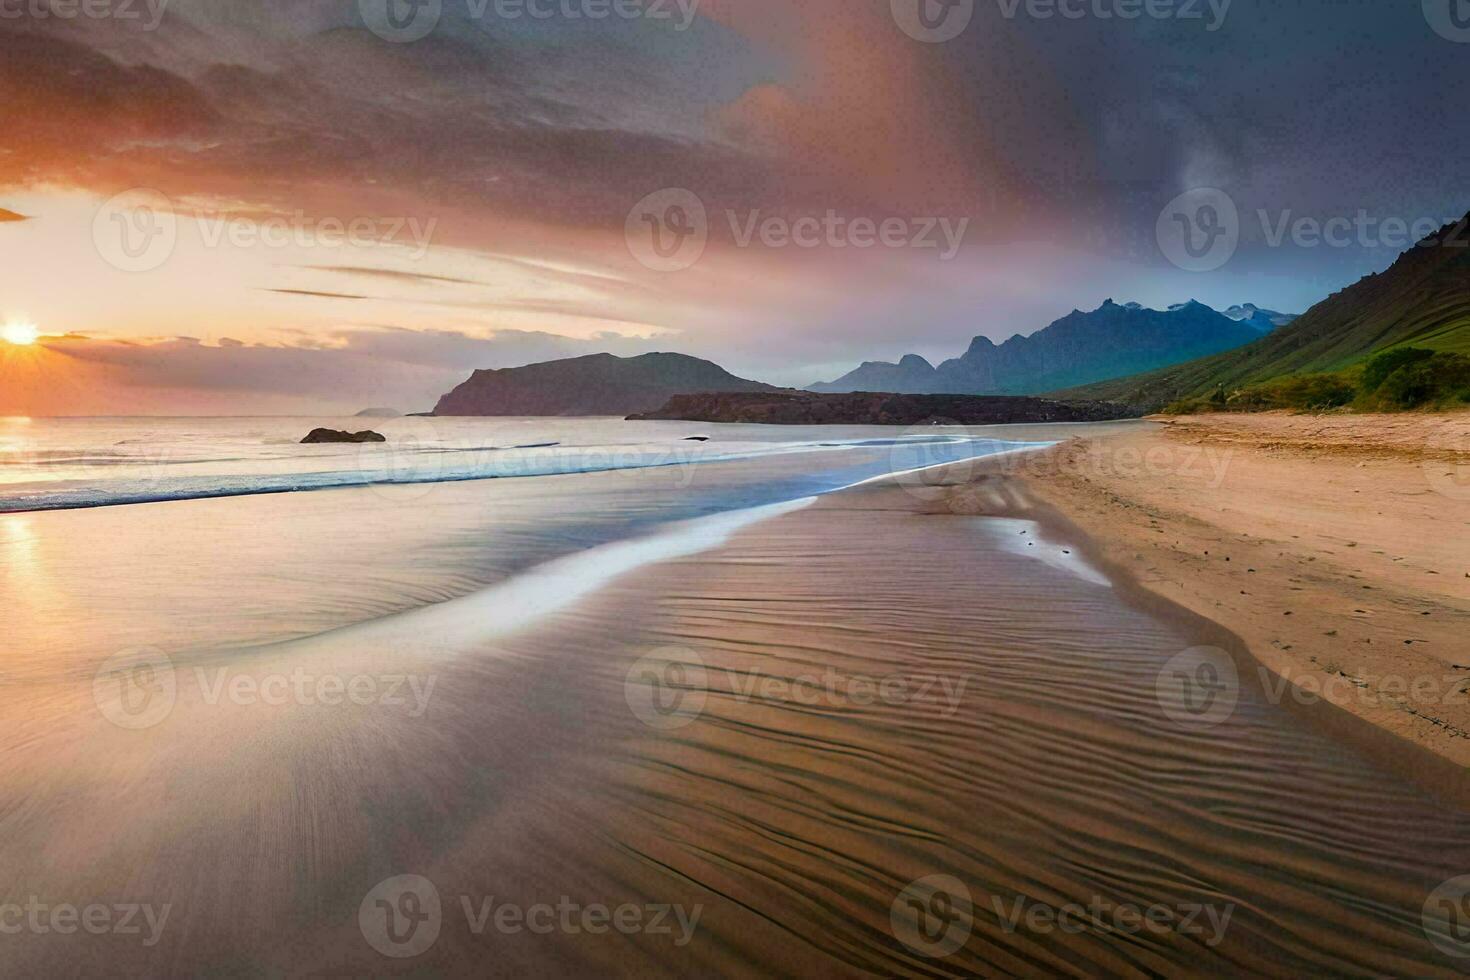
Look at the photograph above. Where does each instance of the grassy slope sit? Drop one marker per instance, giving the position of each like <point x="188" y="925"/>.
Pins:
<point x="1423" y="300"/>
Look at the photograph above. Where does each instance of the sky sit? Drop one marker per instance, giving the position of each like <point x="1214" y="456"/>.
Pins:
<point x="319" y="206"/>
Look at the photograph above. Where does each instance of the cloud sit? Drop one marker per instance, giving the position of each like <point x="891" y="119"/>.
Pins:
<point x="528" y="142"/>
<point x="396" y="275"/>
<point x="340" y="371"/>
<point x="312" y="292"/>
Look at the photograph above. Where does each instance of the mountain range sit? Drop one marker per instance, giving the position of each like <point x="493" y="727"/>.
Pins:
<point x="1266" y="321"/>
<point x="1422" y="300"/>
<point x="599" y="384"/>
<point x="1110" y="342"/>
<point x="1126" y="354"/>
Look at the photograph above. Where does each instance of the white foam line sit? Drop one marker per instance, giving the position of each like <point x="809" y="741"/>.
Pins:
<point x="1029" y="448"/>
<point x="511" y="605"/>
<point x="515" y="603"/>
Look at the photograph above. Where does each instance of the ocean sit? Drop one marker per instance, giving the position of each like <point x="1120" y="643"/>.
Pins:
<point x="586" y="697"/>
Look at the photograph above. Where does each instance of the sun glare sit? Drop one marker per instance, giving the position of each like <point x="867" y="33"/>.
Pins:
<point x="20" y="334"/>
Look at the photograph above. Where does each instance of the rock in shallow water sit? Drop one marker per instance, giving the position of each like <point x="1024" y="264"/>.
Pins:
<point x="336" y="435"/>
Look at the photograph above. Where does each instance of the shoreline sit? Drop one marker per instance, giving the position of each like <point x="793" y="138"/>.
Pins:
<point x="1276" y="583"/>
<point x="787" y="731"/>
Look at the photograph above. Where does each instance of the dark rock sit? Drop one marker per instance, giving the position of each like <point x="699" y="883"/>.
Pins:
<point x="336" y="435"/>
<point x="876" y="408"/>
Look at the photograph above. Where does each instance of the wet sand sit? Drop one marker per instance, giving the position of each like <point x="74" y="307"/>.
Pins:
<point x="889" y="684"/>
<point x="1334" y="547"/>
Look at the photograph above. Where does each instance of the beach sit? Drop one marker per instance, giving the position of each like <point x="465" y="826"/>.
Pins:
<point x="1333" y="547"/>
<point x="665" y="722"/>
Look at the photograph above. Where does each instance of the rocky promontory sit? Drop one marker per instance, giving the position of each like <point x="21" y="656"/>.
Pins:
<point x="876" y="408"/>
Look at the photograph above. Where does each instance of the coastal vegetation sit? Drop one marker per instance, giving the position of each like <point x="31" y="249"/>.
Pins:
<point x="1401" y="379"/>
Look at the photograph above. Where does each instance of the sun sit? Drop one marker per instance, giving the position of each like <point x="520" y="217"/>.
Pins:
<point x="20" y="334"/>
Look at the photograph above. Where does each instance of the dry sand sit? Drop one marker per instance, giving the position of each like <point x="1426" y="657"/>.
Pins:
<point x="1336" y="548"/>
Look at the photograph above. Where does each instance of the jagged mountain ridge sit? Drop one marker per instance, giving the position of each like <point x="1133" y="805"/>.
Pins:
<point x="1112" y="341"/>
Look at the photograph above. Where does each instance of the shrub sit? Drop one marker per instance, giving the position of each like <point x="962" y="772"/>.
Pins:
<point x="1376" y="371"/>
<point x="1305" y="392"/>
<point x="1437" y="380"/>
<point x="1395" y="381"/>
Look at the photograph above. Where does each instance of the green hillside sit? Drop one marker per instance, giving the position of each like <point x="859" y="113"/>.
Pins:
<point x="1423" y="301"/>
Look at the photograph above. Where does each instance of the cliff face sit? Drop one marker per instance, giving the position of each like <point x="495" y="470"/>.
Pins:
<point x="1108" y="342"/>
<point x="868" y="408"/>
<point x="597" y="385"/>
